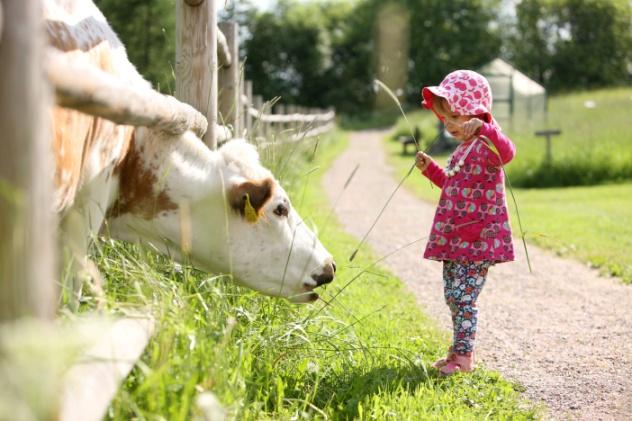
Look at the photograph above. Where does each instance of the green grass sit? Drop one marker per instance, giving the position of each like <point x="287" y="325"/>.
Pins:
<point x="595" y="145"/>
<point x="365" y="356"/>
<point x="591" y="223"/>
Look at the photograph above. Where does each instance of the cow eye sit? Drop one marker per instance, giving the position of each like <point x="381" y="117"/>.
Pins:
<point x="281" y="210"/>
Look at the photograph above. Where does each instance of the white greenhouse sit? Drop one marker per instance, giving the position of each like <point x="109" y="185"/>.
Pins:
<point x="517" y="98"/>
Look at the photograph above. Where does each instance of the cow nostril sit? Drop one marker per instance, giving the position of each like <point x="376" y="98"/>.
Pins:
<point x="323" y="278"/>
<point x="333" y="264"/>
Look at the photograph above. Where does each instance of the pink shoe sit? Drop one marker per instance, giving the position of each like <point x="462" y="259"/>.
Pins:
<point x="443" y="361"/>
<point x="459" y="363"/>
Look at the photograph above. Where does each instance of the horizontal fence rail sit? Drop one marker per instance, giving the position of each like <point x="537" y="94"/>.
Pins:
<point x="293" y="118"/>
<point x="90" y="90"/>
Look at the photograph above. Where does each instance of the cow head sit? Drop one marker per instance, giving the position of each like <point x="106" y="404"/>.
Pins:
<point x="223" y="209"/>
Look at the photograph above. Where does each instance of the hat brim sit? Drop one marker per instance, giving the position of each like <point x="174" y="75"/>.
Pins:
<point x="429" y="92"/>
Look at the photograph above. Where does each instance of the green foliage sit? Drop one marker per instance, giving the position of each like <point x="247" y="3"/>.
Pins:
<point x="324" y="53"/>
<point x="310" y="54"/>
<point x="147" y="29"/>
<point x="449" y="35"/>
<point x="573" y="44"/>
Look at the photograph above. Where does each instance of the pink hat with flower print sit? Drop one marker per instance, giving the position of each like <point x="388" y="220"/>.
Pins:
<point x="467" y="93"/>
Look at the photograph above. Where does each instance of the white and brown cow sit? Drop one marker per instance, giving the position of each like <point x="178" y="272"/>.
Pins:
<point x="144" y="184"/>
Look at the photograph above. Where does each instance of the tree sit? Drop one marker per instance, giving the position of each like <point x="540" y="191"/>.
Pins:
<point x="573" y="44"/>
<point x="147" y="29"/>
<point x="449" y="35"/>
<point x="593" y="47"/>
<point x="528" y="46"/>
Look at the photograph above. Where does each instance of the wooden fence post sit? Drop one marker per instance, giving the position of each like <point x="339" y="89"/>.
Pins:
<point x="247" y="116"/>
<point x="230" y="92"/>
<point x="280" y="109"/>
<point x="27" y="246"/>
<point x="243" y="106"/>
<point x="257" y="103"/>
<point x="196" y="60"/>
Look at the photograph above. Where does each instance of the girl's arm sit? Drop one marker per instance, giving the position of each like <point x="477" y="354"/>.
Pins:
<point x="504" y="146"/>
<point x="435" y="173"/>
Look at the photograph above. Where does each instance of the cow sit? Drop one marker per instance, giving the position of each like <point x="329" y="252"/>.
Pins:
<point x="220" y="209"/>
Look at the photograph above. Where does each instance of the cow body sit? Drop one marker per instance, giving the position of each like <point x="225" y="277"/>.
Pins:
<point x="222" y="208"/>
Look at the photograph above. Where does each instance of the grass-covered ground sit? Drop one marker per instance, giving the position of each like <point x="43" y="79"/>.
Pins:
<point x="363" y="356"/>
<point x="592" y="223"/>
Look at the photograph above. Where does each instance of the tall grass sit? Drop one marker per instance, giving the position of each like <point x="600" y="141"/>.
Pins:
<point x="364" y="355"/>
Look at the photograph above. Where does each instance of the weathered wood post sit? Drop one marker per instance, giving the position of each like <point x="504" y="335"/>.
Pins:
<point x="27" y="246"/>
<point x="248" y="106"/>
<point x="257" y="103"/>
<point x="196" y="60"/>
<point x="230" y="92"/>
<point x="281" y="110"/>
<point x="242" y="105"/>
<point x="293" y="124"/>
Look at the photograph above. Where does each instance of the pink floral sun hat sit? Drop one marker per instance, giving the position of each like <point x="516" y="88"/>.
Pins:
<point x="467" y="93"/>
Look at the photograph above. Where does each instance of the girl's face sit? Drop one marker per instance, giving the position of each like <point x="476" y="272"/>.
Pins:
<point x="450" y="120"/>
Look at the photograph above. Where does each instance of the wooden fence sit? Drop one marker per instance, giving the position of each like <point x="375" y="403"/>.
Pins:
<point x="213" y="100"/>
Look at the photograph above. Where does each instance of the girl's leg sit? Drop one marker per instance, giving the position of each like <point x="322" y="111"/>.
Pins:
<point x="448" y="276"/>
<point x="450" y="283"/>
<point x="470" y="278"/>
<point x="469" y="281"/>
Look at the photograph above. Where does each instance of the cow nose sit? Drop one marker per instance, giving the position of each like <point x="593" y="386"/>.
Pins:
<point x="326" y="276"/>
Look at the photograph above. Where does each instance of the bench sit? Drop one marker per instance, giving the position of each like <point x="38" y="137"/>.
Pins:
<point x="410" y="140"/>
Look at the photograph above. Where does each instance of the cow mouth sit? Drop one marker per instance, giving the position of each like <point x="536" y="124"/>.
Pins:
<point x="309" y="296"/>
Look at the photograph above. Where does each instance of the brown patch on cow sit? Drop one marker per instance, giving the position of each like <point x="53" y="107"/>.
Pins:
<point x="69" y="130"/>
<point x="75" y="137"/>
<point x="137" y="193"/>
<point x="258" y="191"/>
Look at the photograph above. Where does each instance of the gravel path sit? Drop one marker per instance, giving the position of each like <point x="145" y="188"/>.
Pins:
<point x="563" y="333"/>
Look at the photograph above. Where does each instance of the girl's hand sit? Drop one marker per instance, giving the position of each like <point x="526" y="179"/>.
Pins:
<point x="471" y="127"/>
<point x="422" y="161"/>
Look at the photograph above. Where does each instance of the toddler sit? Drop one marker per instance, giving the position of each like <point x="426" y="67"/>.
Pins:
<point x="470" y="231"/>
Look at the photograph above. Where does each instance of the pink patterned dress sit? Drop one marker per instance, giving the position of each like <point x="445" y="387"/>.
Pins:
<point x="471" y="223"/>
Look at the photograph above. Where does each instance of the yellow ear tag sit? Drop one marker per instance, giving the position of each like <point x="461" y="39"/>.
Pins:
<point x="249" y="211"/>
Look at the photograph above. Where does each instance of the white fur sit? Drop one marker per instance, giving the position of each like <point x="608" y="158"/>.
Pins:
<point x="222" y="240"/>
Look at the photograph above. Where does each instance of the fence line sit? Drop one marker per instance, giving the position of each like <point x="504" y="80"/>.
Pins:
<point x="26" y="231"/>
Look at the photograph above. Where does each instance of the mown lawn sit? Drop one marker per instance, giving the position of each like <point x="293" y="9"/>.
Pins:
<point x="592" y="223"/>
<point x="363" y="356"/>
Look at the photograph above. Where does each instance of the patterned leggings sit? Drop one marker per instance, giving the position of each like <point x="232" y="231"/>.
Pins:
<point x="462" y="284"/>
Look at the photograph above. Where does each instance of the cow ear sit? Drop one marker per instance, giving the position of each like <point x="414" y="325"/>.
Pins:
<point x="248" y="198"/>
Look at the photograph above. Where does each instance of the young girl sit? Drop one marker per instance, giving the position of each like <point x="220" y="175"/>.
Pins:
<point x="470" y="231"/>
